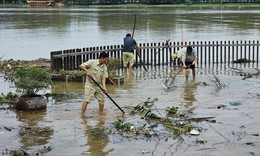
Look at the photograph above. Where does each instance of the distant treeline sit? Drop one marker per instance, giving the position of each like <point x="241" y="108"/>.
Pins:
<point x="109" y="2"/>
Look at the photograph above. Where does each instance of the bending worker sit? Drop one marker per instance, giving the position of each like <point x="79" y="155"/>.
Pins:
<point x="189" y="58"/>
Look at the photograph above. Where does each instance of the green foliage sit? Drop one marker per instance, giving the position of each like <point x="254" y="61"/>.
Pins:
<point x="9" y="97"/>
<point x="172" y="110"/>
<point x="112" y="66"/>
<point x="122" y="126"/>
<point x="30" y="80"/>
<point x="175" y="124"/>
<point x="179" y="129"/>
<point x="188" y="2"/>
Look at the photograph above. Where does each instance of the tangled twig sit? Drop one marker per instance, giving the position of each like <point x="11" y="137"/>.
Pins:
<point x="217" y="82"/>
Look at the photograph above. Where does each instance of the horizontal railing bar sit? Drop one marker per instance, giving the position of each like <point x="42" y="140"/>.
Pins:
<point x="153" y="47"/>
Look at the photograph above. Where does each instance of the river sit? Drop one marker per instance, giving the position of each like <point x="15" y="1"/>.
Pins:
<point x="32" y="33"/>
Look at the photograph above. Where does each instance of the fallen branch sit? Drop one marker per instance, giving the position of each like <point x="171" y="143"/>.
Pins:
<point x="197" y="119"/>
<point x="247" y="74"/>
<point x="219" y="133"/>
<point x="217" y="82"/>
<point x="205" y="149"/>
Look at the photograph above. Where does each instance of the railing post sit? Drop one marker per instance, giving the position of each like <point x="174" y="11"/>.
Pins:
<point x="241" y="49"/>
<point x="225" y="51"/>
<point x="245" y="56"/>
<point x="79" y="59"/>
<point x="201" y="53"/>
<point x="56" y="63"/>
<point x="221" y="51"/>
<point x="213" y="52"/>
<point x="253" y="51"/>
<point x="154" y="54"/>
<point x="217" y="53"/>
<point x="228" y="51"/>
<point x="205" y="51"/>
<point x="159" y="53"/>
<point x="249" y="52"/>
<point x="257" y="52"/>
<point x="72" y="60"/>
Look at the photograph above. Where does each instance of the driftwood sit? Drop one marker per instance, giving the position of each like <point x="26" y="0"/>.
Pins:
<point x="217" y="82"/>
<point x="243" y="60"/>
<point x="198" y="119"/>
<point x="247" y="74"/>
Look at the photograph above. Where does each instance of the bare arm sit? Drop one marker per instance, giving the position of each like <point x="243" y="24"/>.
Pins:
<point x="137" y="48"/>
<point x="194" y="61"/>
<point x="86" y="70"/>
<point x="104" y="84"/>
<point x="183" y="64"/>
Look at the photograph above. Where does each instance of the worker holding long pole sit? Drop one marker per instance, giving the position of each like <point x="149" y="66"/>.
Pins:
<point x="128" y="52"/>
<point x="95" y="84"/>
<point x="138" y="49"/>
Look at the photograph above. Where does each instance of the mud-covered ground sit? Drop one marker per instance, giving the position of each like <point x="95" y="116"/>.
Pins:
<point x="233" y="128"/>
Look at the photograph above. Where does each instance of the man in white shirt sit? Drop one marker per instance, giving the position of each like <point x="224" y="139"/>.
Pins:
<point x="189" y="58"/>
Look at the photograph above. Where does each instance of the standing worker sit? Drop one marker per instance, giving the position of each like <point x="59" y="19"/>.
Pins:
<point x="189" y="58"/>
<point x="128" y="52"/>
<point x="97" y="70"/>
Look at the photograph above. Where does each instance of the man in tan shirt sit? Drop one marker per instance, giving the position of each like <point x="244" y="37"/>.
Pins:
<point x="97" y="70"/>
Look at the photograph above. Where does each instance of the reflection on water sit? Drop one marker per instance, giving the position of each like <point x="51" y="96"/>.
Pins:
<point x="67" y="87"/>
<point x="189" y="93"/>
<point x="97" y="139"/>
<point x="128" y="80"/>
<point x="30" y="131"/>
<point x="6" y="86"/>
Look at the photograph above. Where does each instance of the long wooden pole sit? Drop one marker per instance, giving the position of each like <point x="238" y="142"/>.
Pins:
<point x="107" y="95"/>
<point x="134" y="27"/>
<point x="133" y="37"/>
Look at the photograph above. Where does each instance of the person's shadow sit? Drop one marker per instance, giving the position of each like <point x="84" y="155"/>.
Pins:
<point x="129" y="80"/>
<point x="97" y="139"/>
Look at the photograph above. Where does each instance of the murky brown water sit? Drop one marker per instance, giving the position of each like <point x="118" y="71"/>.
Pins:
<point x="236" y="131"/>
<point x="41" y="30"/>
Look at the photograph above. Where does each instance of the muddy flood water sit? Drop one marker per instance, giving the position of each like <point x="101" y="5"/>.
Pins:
<point x="233" y="128"/>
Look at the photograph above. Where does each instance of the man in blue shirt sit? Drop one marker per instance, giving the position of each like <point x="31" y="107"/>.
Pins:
<point x="128" y="51"/>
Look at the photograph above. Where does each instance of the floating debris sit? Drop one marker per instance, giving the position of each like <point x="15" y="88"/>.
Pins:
<point x="194" y="132"/>
<point x="145" y="151"/>
<point x="235" y="103"/>
<point x="176" y="123"/>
